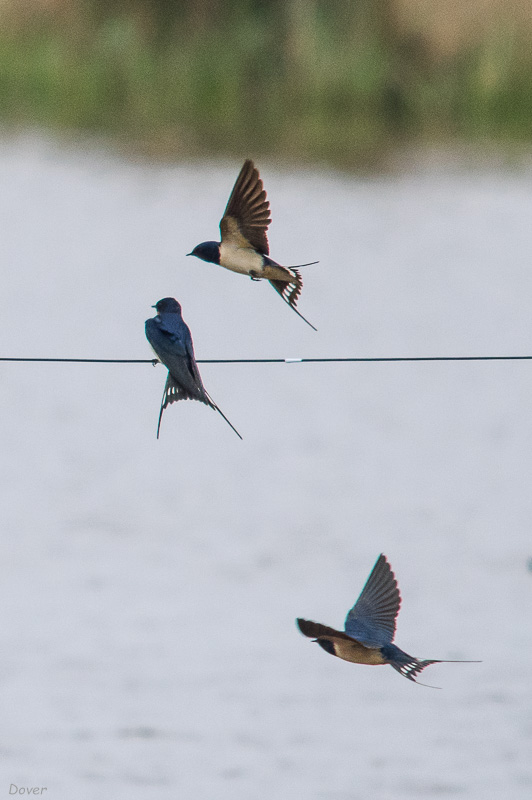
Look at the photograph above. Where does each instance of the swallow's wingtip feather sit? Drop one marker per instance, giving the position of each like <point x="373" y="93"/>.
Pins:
<point x="303" y="626"/>
<point x="373" y="617"/>
<point x="247" y="213"/>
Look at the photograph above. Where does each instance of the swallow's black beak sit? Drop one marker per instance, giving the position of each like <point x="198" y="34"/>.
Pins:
<point x="190" y="254"/>
<point x="154" y="306"/>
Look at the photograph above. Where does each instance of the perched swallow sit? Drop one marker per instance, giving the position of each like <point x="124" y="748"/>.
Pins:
<point x="170" y="338"/>
<point x="370" y="628"/>
<point x="244" y="247"/>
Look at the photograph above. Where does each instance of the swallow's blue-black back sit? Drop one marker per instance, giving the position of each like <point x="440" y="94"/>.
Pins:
<point x="170" y="337"/>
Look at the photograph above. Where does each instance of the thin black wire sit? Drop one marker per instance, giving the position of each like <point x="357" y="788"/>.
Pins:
<point x="270" y="360"/>
<point x="87" y="360"/>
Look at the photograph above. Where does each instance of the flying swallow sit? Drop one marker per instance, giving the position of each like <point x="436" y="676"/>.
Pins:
<point x="170" y="338"/>
<point x="370" y="628"/>
<point x="244" y="247"/>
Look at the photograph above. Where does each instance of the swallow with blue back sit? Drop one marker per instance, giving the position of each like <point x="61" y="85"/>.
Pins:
<point x="171" y="341"/>
<point x="370" y="628"/>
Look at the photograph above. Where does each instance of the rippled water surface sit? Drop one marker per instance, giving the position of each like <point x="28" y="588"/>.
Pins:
<point x="149" y="588"/>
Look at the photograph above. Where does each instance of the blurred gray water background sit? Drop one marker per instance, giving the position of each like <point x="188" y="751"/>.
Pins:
<point x="149" y="588"/>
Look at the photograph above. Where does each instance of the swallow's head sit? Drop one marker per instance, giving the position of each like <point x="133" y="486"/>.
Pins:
<point x="327" y="645"/>
<point x="207" y="251"/>
<point x="167" y="305"/>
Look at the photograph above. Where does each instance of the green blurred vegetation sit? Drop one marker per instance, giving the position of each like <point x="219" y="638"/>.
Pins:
<point x="309" y="80"/>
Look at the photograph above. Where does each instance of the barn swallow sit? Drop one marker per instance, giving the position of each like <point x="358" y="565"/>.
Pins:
<point x="170" y="338"/>
<point x="244" y="247"/>
<point x="370" y="628"/>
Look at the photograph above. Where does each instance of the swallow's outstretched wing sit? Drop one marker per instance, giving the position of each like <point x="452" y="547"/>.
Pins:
<point x="372" y="619"/>
<point x="247" y="214"/>
<point x="315" y="629"/>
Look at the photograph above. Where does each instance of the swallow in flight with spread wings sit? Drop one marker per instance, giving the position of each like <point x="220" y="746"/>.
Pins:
<point x="244" y="247"/>
<point x="370" y="628"/>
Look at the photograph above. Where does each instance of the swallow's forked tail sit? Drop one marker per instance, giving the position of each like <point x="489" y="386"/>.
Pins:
<point x="221" y="413"/>
<point x="409" y="667"/>
<point x="297" y="266"/>
<point x="174" y="392"/>
<point x="290" y="291"/>
<point x="160" y="418"/>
